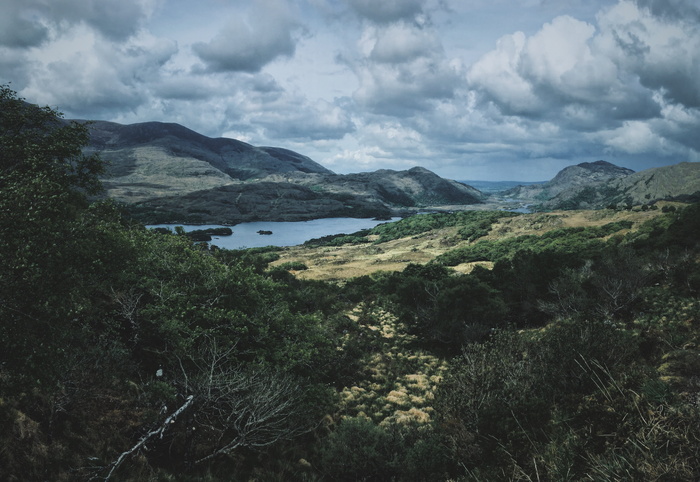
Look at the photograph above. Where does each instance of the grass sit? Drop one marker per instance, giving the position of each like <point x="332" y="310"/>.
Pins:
<point x="401" y="381"/>
<point x="338" y="263"/>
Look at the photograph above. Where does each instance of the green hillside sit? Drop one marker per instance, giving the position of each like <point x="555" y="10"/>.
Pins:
<point x="568" y="350"/>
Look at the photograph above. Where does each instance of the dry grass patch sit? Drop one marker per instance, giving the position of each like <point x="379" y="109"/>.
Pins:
<point x="349" y="261"/>
<point x="400" y="382"/>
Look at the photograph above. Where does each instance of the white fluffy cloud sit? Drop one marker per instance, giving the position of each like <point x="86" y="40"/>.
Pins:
<point x="402" y="69"/>
<point x="490" y="89"/>
<point x="612" y="85"/>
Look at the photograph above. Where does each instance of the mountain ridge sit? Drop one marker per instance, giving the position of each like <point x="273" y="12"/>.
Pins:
<point x="570" y="177"/>
<point x="667" y="183"/>
<point x="166" y="172"/>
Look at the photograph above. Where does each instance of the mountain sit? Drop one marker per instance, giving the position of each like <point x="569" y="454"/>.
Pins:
<point x="300" y="197"/>
<point x="677" y="182"/>
<point x="154" y="159"/>
<point x="569" y="178"/>
<point x="165" y="172"/>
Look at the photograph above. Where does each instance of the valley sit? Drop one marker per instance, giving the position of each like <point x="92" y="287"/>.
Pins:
<point x="462" y="344"/>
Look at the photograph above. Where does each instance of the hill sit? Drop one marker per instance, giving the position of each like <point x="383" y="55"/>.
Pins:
<point x="569" y="178"/>
<point x="678" y="182"/>
<point x="167" y="173"/>
<point x="600" y="184"/>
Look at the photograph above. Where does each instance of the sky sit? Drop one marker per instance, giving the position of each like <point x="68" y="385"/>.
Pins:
<point x="470" y="89"/>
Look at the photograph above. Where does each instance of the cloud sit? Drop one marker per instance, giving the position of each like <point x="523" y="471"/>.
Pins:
<point x="555" y="68"/>
<point x="633" y="137"/>
<point x="406" y="89"/>
<point x="248" y="43"/>
<point x="31" y="23"/>
<point x="379" y="83"/>
<point x="365" y="158"/>
<point x="307" y="121"/>
<point x="623" y="88"/>
<point x="387" y="11"/>
<point x="496" y="75"/>
<point x="115" y="19"/>
<point x="671" y="9"/>
<point x="561" y="72"/>
<point x="663" y="51"/>
<point x="15" y="67"/>
<point x="19" y="27"/>
<point x="100" y="80"/>
<point x="402" y="69"/>
<point x="399" y="43"/>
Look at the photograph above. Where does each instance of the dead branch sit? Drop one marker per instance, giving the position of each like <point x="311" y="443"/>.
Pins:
<point x="159" y="431"/>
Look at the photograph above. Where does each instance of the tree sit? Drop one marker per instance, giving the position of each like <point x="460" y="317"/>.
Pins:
<point x="44" y="183"/>
<point x="237" y="406"/>
<point x="37" y="142"/>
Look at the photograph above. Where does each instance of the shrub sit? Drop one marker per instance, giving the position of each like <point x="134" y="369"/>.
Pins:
<point x="293" y="266"/>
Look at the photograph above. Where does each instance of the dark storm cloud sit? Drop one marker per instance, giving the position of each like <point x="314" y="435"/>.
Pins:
<point x="115" y="19"/>
<point x="19" y="27"/>
<point x="662" y="48"/>
<point x="29" y="23"/>
<point x="248" y="44"/>
<point x="15" y="67"/>
<point x="672" y="9"/>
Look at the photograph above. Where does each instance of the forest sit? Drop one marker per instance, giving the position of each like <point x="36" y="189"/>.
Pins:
<point x="130" y="354"/>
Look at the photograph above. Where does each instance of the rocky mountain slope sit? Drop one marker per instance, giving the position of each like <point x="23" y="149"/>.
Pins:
<point x="595" y="185"/>
<point x="679" y="182"/>
<point x="168" y="173"/>
<point x="569" y="178"/>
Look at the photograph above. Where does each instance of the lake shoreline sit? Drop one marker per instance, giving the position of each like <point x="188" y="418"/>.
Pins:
<point x="278" y="233"/>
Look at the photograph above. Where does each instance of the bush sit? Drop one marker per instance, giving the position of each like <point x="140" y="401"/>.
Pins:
<point x="293" y="266"/>
<point x="358" y="449"/>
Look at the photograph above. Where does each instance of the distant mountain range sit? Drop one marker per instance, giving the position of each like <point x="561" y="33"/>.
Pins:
<point x="168" y="173"/>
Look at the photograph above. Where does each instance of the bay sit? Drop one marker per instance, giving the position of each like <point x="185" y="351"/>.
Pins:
<point x="245" y="235"/>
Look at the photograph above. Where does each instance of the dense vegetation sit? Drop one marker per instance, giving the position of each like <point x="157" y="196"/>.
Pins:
<point x="130" y="354"/>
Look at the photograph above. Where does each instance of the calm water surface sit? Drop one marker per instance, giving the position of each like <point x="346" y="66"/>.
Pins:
<point x="245" y="235"/>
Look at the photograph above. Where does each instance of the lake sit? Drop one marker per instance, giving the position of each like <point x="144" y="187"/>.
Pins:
<point x="245" y="235"/>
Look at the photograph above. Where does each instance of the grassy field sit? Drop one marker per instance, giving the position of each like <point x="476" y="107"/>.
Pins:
<point x="330" y="263"/>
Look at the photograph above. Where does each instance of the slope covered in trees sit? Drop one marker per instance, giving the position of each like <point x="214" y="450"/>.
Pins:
<point x="127" y="354"/>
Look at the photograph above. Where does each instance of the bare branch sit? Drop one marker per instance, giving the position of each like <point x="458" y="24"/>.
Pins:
<point x="159" y="431"/>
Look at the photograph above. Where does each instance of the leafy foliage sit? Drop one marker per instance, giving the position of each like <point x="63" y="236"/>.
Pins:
<point x="473" y="224"/>
<point x="568" y="241"/>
